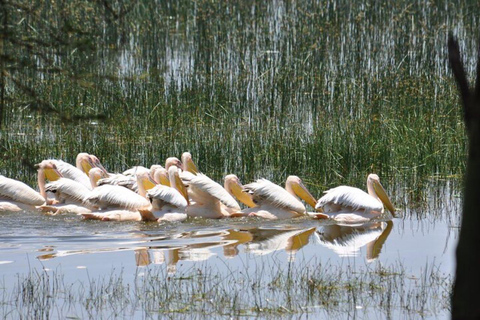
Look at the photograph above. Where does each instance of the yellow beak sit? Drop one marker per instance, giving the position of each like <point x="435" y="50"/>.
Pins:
<point x="52" y="174"/>
<point x="148" y="183"/>
<point x="191" y="167"/>
<point x="383" y="197"/>
<point x="302" y="192"/>
<point x="242" y="196"/>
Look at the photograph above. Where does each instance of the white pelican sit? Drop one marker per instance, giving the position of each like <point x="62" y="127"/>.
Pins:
<point x="207" y="198"/>
<point x="275" y="202"/>
<point x="67" y="171"/>
<point x="17" y="196"/>
<point x="116" y="203"/>
<point x="70" y="195"/>
<point x="167" y="203"/>
<point x="109" y="196"/>
<point x="352" y="205"/>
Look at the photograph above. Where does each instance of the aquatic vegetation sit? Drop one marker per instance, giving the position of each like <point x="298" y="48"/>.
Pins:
<point x="270" y="290"/>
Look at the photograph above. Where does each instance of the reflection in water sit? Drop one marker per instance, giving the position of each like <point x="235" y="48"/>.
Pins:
<point x="266" y="241"/>
<point x="347" y="240"/>
<point x="198" y="245"/>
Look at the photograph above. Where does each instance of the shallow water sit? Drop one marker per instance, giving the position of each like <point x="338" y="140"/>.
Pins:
<point x="84" y="250"/>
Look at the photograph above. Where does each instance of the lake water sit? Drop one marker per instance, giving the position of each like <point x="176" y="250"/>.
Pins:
<point x="84" y="250"/>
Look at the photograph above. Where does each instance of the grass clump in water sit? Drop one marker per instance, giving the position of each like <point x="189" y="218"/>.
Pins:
<point x="271" y="290"/>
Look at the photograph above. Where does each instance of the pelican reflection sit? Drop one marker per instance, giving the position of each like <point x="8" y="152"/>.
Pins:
<point x="266" y="241"/>
<point x="346" y="241"/>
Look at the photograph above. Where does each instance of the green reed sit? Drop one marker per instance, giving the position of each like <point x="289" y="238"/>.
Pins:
<point x="328" y="90"/>
<point x="272" y="290"/>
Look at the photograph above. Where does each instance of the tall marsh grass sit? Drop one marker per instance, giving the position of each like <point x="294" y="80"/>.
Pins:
<point x="327" y="90"/>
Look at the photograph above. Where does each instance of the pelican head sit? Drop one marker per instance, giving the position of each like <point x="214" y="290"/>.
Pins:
<point x="234" y="187"/>
<point x="84" y="162"/>
<point x="49" y="170"/>
<point x="173" y="161"/>
<point x="295" y="186"/>
<point x="161" y="176"/>
<point x="375" y="189"/>
<point x="96" y="174"/>
<point x="188" y="164"/>
<point x="46" y="170"/>
<point x="144" y="182"/>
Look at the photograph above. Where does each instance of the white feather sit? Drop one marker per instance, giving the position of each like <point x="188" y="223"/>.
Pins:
<point x="204" y="188"/>
<point x="67" y="190"/>
<point x="265" y="192"/>
<point x="18" y="191"/>
<point x="127" y="181"/>
<point x="115" y="196"/>
<point x="348" y="199"/>
<point x="135" y="170"/>
<point x="166" y="195"/>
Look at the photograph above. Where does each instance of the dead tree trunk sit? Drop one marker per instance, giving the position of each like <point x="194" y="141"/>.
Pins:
<point x="466" y="290"/>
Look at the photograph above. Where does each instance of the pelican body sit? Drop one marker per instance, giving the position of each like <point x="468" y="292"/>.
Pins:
<point x="352" y="205"/>
<point x="207" y="198"/>
<point x="275" y="202"/>
<point x="16" y="196"/>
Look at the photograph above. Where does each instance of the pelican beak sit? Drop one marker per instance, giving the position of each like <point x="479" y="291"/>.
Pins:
<point x="52" y="174"/>
<point x="164" y="180"/>
<point x="148" y="183"/>
<point x="241" y="195"/>
<point x="302" y="192"/>
<point x="86" y="165"/>
<point x="181" y="187"/>
<point x="191" y="167"/>
<point x="383" y="197"/>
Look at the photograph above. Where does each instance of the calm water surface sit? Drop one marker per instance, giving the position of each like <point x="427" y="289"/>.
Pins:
<point x="83" y="250"/>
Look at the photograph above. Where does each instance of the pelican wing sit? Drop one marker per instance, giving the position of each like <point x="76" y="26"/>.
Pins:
<point x="19" y="191"/>
<point x="68" y="189"/>
<point x="116" y="196"/>
<point x="266" y="192"/>
<point x="345" y="198"/>
<point x="167" y="195"/>
<point x="135" y="170"/>
<point x="127" y="181"/>
<point x="72" y="172"/>
<point x="203" y="187"/>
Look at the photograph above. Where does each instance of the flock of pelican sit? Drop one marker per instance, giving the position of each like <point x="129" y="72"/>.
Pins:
<point x="177" y="191"/>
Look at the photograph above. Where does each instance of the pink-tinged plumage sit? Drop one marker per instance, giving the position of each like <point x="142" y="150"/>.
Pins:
<point x="18" y="195"/>
<point x="207" y="198"/>
<point x="352" y="205"/>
